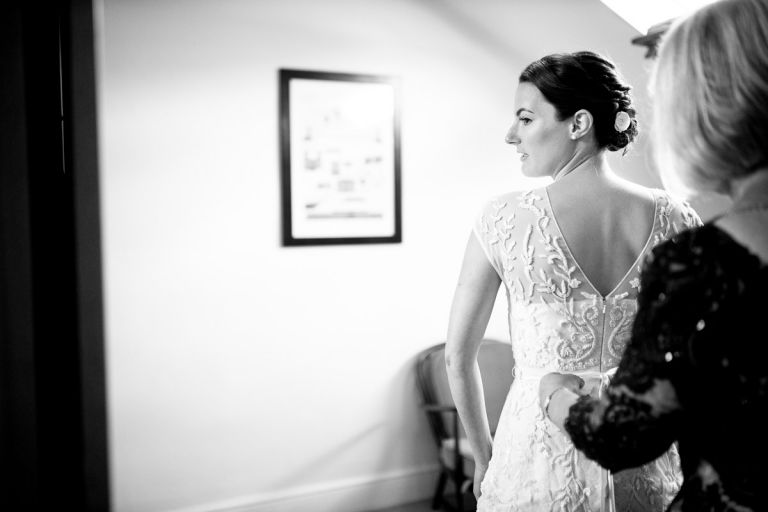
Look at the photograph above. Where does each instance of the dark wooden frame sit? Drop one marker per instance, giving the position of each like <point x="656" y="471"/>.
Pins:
<point x="53" y="415"/>
<point x="288" y="238"/>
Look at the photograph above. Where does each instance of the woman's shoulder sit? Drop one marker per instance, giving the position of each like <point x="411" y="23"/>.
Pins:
<point x="697" y="270"/>
<point x="703" y="278"/>
<point x="704" y="249"/>
<point x="696" y="243"/>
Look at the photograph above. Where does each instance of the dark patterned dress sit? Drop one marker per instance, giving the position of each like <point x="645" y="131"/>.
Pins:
<point x="695" y="373"/>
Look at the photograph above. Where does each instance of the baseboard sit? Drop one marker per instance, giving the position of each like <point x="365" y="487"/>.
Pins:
<point x="360" y="494"/>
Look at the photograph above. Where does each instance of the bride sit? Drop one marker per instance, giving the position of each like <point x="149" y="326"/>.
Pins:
<point x="568" y="256"/>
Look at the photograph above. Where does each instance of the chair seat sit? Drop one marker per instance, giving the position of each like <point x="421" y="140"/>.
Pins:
<point x="447" y="455"/>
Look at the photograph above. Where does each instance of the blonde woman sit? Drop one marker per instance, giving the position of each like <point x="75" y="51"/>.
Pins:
<point x="568" y="256"/>
<point x="696" y="369"/>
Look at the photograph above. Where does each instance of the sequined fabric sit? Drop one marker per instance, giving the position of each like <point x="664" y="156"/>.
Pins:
<point x="694" y="372"/>
<point x="558" y="321"/>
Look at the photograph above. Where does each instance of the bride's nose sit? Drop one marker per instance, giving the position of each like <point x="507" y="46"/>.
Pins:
<point x="512" y="137"/>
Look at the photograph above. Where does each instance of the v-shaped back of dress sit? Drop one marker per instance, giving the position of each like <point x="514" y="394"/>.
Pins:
<point x="628" y="269"/>
<point x="557" y="319"/>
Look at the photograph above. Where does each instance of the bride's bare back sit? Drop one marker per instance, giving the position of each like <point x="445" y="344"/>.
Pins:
<point x="605" y="222"/>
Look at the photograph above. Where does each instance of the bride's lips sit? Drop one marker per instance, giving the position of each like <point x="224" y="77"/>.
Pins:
<point x="523" y="157"/>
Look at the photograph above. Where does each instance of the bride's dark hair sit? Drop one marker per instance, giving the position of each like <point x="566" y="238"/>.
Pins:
<point x="585" y="80"/>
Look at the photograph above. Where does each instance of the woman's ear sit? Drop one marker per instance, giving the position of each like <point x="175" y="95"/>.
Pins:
<point x="581" y="123"/>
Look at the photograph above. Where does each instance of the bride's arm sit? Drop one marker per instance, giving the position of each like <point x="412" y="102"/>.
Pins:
<point x="473" y="302"/>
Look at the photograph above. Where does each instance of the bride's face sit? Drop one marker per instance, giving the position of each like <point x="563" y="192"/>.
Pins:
<point x="542" y="140"/>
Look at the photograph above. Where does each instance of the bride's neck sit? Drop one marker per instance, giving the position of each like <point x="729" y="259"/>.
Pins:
<point x="584" y="166"/>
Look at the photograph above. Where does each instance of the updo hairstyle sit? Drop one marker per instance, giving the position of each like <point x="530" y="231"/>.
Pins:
<point x="585" y="80"/>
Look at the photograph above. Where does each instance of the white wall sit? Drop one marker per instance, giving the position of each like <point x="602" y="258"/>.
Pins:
<point x="243" y="375"/>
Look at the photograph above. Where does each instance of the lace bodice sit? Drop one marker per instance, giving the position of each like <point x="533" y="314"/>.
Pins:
<point x="558" y="320"/>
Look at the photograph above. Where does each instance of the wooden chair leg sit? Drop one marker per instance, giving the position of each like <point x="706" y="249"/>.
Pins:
<point x="438" y="498"/>
<point x="458" y="478"/>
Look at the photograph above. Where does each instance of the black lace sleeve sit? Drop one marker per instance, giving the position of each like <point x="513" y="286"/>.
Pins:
<point x="688" y="285"/>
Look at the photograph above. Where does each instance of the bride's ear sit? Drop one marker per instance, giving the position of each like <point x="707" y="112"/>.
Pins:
<point x="581" y="123"/>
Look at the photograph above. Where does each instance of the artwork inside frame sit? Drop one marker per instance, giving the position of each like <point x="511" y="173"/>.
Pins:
<point x="340" y="158"/>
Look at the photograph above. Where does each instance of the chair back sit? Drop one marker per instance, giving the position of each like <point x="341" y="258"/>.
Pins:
<point x="496" y="364"/>
<point x="496" y="369"/>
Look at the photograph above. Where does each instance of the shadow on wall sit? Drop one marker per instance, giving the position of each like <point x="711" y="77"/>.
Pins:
<point x="406" y="422"/>
<point x="315" y="466"/>
<point x="473" y="30"/>
<point x="403" y="420"/>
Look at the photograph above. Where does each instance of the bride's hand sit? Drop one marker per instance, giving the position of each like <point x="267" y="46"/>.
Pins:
<point x="480" y="471"/>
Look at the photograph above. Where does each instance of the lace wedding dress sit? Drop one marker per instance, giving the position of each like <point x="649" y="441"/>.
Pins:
<point x="559" y="322"/>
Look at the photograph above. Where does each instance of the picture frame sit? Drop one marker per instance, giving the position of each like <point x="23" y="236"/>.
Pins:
<point x="340" y="158"/>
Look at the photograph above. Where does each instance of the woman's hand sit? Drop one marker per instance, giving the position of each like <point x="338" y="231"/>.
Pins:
<point x="557" y="392"/>
<point x="480" y="471"/>
<point x="551" y="382"/>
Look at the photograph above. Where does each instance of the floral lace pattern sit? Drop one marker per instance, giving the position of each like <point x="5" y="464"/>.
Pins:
<point x="559" y="322"/>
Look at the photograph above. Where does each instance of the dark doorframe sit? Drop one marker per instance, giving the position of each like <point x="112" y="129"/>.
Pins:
<point x="53" y="419"/>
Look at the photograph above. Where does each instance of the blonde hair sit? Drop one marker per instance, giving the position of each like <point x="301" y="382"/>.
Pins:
<point x="710" y="97"/>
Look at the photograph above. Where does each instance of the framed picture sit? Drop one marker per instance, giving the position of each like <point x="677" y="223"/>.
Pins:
<point x="340" y="158"/>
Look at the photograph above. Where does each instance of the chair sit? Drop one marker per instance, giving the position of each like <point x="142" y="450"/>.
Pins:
<point x="455" y="456"/>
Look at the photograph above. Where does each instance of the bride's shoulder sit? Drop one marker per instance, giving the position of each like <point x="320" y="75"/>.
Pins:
<point x="677" y="210"/>
<point x="516" y="202"/>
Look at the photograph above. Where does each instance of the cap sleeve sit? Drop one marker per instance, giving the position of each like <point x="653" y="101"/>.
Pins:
<point x="490" y="228"/>
<point x="680" y="215"/>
